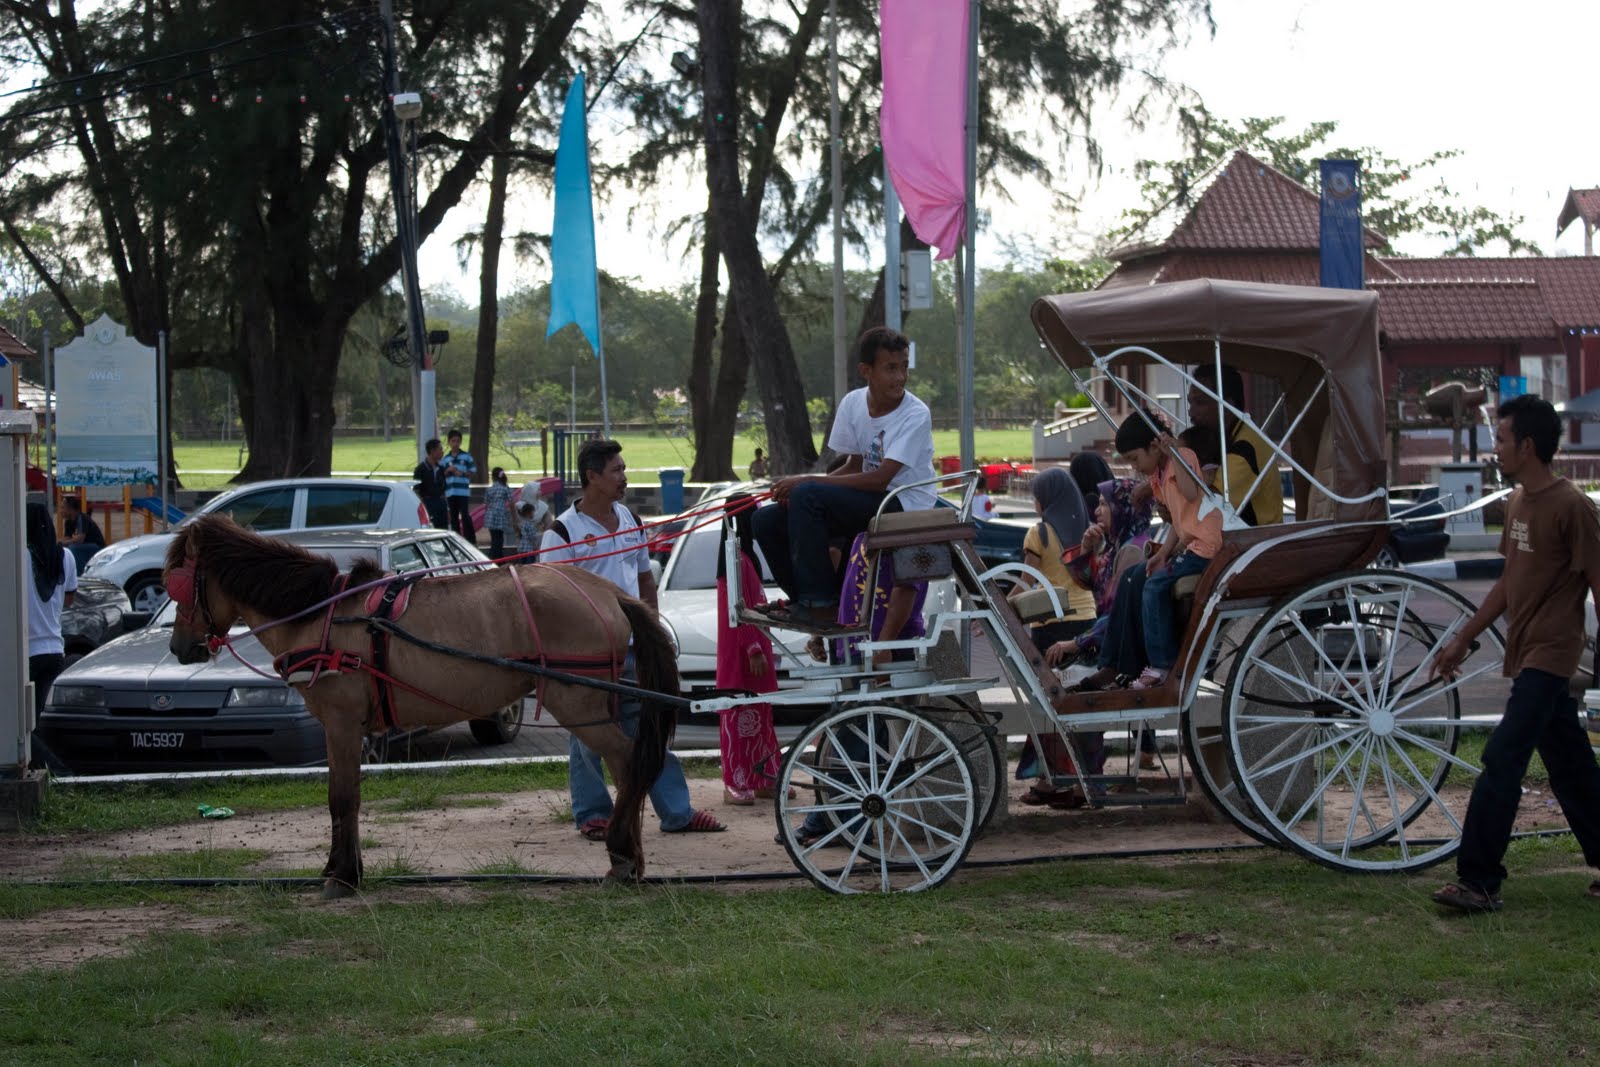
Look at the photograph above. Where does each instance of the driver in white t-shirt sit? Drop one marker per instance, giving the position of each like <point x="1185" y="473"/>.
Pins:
<point x="887" y="435"/>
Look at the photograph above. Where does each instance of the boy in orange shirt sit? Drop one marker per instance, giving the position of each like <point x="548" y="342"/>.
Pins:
<point x="1189" y="547"/>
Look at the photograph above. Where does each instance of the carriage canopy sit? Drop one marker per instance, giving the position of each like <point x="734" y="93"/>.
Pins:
<point x="1319" y="345"/>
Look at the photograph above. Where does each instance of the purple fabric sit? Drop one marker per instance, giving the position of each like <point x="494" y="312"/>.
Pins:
<point x="923" y="122"/>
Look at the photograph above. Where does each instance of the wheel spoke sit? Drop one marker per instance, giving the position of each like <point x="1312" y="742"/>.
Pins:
<point x="1322" y="654"/>
<point x="1426" y="784"/>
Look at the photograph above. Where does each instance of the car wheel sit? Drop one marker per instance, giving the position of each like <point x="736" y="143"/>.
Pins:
<point x="500" y="728"/>
<point x="1387" y="559"/>
<point x="146" y="592"/>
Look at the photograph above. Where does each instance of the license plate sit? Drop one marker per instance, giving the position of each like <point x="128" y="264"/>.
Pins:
<point x="156" y="740"/>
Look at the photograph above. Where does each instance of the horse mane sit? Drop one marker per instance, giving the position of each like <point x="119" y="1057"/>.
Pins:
<point x="270" y="575"/>
<point x="364" y="570"/>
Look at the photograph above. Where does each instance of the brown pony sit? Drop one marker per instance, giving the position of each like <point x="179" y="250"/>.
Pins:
<point x="562" y="617"/>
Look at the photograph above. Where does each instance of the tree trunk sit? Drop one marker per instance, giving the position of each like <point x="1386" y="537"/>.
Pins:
<point x="710" y="465"/>
<point x="494" y="225"/>
<point x="760" y="322"/>
<point x="733" y="375"/>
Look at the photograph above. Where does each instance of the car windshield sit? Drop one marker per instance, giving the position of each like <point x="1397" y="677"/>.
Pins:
<point x="696" y="563"/>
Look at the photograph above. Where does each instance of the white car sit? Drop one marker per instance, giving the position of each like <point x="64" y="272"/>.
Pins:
<point x="688" y="601"/>
<point x="274" y="507"/>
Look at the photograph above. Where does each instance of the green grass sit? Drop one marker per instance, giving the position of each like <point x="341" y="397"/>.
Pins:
<point x="1260" y="960"/>
<point x="371" y="455"/>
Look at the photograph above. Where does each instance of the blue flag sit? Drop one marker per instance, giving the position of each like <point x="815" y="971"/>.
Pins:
<point x="1343" y="265"/>
<point x="574" y="283"/>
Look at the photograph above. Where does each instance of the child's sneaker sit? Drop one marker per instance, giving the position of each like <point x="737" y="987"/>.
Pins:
<point x="1149" y="678"/>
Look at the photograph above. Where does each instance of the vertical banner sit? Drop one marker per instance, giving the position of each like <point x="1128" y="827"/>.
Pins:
<point x="923" y="121"/>
<point x="106" y="426"/>
<point x="574" y="285"/>
<point x="1340" y="240"/>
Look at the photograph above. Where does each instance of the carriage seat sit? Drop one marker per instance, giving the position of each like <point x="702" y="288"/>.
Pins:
<point x="920" y="540"/>
<point x="1034" y="606"/>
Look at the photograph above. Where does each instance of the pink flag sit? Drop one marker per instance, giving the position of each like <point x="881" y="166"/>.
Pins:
<point x="923" y="122"/>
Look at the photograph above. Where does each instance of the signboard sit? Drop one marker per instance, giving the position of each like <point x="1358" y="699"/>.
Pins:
<point x="1512" y="386"/>
<point x="106" y="428"/>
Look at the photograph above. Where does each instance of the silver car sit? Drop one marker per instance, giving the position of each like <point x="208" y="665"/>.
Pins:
<point x="131" y="706"/>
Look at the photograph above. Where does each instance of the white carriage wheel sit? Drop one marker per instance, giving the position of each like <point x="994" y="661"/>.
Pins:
<point x="1206" y="742"/>
<point x="897" y="792"/>
<point x="978" y="735"/>
<point x="1343" y="746"/>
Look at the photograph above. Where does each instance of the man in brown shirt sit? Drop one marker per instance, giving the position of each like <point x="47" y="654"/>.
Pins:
<point x="1551" y="544"/>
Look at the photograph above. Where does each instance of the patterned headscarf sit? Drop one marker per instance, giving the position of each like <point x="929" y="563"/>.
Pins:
<point x="1130" y="523"/>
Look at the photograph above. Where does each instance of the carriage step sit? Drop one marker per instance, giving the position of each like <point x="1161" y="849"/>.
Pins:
<point x="767" y="622"/>
<point x="1162" y="699"/>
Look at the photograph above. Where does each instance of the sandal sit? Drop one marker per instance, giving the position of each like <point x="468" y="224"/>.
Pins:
<point x="817" y="649"/>
<point x="1467" y="898"/>
<point x="595" y="829"/>
<point x="701" y="822"/>
<point x="1149" y="678"/>
<point x="1066" y="800"/>
<point x="1036" y="797"/>
<point x="1594" y="890"/>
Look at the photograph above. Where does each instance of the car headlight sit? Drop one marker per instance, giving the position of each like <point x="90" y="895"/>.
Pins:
<point x="77" y="696"/>
<point x="105" y="558"/>
<point x="264" y="696"/>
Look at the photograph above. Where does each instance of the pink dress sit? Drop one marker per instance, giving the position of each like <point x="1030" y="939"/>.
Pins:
<point x="749" y="743"/>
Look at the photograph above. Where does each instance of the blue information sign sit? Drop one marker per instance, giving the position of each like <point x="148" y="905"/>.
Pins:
<point x="1512" y="385"/>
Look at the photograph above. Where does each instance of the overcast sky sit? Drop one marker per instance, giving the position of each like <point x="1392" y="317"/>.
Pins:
<point x="1512" y="88"/>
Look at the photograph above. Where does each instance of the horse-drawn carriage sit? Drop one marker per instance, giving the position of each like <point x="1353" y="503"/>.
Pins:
<point x="1301" y="694"/>
<point x="1302" y="691"/>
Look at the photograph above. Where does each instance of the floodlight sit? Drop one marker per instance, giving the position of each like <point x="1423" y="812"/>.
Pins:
<point x="407" y="106"/>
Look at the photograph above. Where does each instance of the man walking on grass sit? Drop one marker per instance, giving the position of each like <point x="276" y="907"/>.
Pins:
<point x="1551" y="543"/>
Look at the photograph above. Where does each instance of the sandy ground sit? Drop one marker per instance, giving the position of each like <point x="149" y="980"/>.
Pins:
<point x="531" y="831"/>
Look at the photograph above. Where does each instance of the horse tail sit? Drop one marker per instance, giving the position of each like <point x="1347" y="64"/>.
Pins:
<point x="656" y="660"/>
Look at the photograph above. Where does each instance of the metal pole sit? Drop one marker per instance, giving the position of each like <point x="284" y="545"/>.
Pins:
<point x="406" y="231"/>
<point x="841" y="378"/>
<point x="572" y="404"/>
<point x="163" y="455"/>
<point x="969" y="279"/>
<point x="49" y="420"/>
<point x="893" y="311"/>
<point x="600" y="336"/>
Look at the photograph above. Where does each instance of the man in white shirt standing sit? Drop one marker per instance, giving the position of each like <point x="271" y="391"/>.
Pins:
<point x="582" y="535"/>
<point x="887" y="433"/>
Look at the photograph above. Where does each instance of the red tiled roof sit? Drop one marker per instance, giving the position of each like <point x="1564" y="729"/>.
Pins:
<point x="1247" y="205"/>
<point x="1436" y="310"/>
<point x="1280" y="268"/>
<point x="1570" y="285"/>
<point x="12" y="348"/>
<point x="1581" y="204"/>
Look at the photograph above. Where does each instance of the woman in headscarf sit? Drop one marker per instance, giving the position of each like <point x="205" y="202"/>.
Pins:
<point x="55" y="580"/>
<point x="1089" y="469"/>
<point x="745" y="661"/>
<point x="1064" y="517"/>
<point x="1120" y="522"/>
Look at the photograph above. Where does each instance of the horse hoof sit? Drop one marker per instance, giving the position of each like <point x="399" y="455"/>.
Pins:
<point x="337" y="889"/>
<point x="624" y="872"/>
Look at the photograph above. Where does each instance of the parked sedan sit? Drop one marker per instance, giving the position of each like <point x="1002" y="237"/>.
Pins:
<point x="98" y="613"/>
<point x="131" y="706"/>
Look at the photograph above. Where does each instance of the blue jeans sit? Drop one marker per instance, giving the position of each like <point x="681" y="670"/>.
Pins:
<point x="1540" y="714"/>
<point x="586" y="775"/>
<point x="794" y="537"/>
<point x="1160" y="638"/>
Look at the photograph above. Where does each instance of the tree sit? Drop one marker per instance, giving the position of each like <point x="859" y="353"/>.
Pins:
<point x="232" y="173"/>
<point x="1041" y="62"/>
<point x="1397" y="198"/>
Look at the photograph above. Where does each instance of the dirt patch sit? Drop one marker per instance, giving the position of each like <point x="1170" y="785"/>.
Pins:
<point x="54" y="940"/>
<point x="522" y="832"/>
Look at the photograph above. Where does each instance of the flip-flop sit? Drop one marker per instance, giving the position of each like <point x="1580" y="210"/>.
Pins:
<point x="595" y="829"/>
<point x="701" y="822"/>
<point x="1594" y="890"/>
<point x="1466" y="898"/>
<point x="1036" y="797"/>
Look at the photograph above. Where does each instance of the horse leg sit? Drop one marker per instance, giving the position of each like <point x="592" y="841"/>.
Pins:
<point x="615" y="748"/>
<point x="343" y="872"/>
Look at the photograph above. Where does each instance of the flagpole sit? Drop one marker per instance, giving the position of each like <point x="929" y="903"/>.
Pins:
<point x="969" y="279"/>
<point x="600" y="351"/>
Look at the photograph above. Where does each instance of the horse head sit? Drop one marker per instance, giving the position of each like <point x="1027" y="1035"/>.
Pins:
<point x="205" y="612"/>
